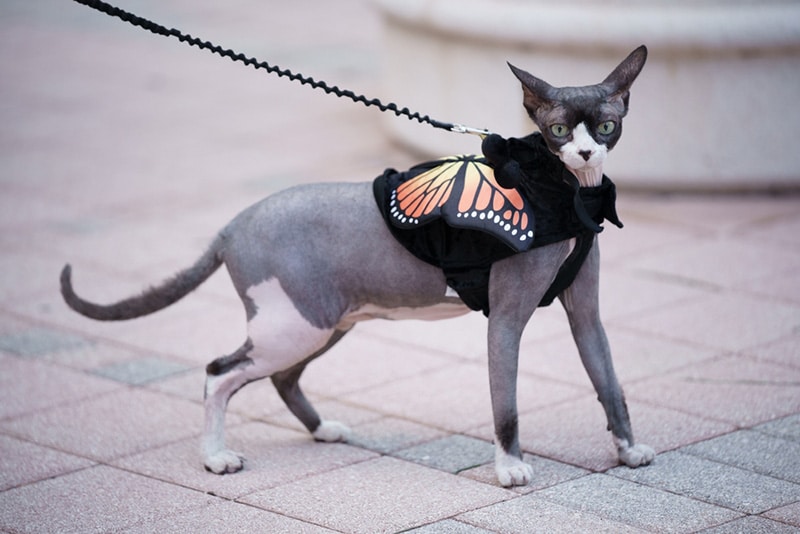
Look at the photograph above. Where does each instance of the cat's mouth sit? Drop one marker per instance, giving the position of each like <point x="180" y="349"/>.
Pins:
<point x="581" y="160"/>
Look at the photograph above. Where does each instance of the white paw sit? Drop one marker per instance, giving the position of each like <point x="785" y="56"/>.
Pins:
<point x="637" y="455"/>
<point x="224" y="461"/>
<point x="512" y="471"/>
<point x="331" y="432"/>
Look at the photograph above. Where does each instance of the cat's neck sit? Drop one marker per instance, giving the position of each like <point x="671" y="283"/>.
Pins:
<point x="588" y="177"/>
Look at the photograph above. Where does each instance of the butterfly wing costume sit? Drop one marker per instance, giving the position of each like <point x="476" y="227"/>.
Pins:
<point x="455" y="214"/>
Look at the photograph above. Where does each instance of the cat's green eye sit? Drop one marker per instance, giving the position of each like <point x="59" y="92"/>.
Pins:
<point x="559" y="130"/>
<point x="607" y="127"/>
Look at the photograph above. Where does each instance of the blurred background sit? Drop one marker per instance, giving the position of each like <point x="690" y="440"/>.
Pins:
<point x="714" y="108"/>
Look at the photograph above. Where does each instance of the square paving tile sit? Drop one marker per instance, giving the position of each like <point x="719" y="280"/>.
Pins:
<point x="546" y="473"/>
<point x="273" y="456"/>
<point x="22" y="462"/>
<point x="713" y="482"/>
<point x="636" y="505"/>
<point x="575" y="432"/>
<point x="381" y="495"/>
<point x="331" y="410"/>
<point x="97" y="353"/>
<point x="225" y="516"/>
<point x="452" y="453"/>
<point x="737" y="390"/>
<point x="389" y="434"/>
<point x="98" y="499"/>
<point x="532" y="514"/>
<point x="360" y="362"/>
<point x="141" y="371"/>
<point x="456" y="398"/>
<point x="782" y="287"/>
<point x="752" y="525"/>
<point x="724" y="321"/>
<point x="635" y="355"/>
<point x="626" y="292"/>
<point x="449" y="526"/>
<point x="722" y="262"/>
<point x="768" y="455"/>
<point x="785" y="427"/>
<point x="112" y="425"/>
<point x="28" y="386"/>
<point x="784" y="351"/>
<point x="789" y="514"/>
<point x="40" y="341"/>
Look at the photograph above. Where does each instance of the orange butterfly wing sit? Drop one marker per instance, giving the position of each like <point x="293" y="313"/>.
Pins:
<point x="463" y="191"/>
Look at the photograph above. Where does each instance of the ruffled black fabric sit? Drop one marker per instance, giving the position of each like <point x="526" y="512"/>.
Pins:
<point x="562" y="210"/>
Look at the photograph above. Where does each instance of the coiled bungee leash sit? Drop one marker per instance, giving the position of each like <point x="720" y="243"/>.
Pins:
<point x="158" y="29"/>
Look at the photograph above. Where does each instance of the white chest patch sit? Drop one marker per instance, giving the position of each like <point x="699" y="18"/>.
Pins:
<point x="582" y="152"/>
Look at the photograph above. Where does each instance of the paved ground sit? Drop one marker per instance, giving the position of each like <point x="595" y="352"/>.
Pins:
<point x="123" y="153"/>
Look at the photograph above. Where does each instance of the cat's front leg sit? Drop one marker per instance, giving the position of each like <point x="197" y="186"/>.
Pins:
<point x="503" y="355"/>
<point x="504" y="338"/>
<point x="580" y="301"/>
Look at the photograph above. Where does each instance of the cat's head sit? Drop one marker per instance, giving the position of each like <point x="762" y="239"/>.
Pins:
<point x="581" y="124"/>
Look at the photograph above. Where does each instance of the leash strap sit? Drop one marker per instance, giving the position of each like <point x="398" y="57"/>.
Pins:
<point x="274" y="69"/>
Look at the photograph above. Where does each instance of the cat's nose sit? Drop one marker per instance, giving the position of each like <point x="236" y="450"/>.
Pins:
<point x="585" y="154"/>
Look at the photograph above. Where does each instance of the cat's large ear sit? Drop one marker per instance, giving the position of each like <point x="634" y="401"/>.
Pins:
<point x="619" y="82"/>
<point x="536" y="92"/>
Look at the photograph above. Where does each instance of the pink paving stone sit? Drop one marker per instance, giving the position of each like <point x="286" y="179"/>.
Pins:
<point x="390" y="434"/>
<point x="635" y="356"/>
<point x="720" y="262"/>
<point x="273" y="456"/>
<point x="28" y="386"/>
<point x="715" y="215"/>
<point x="361" y="362"/>
<point x="724" y="321"/>
<point x="260" y="400"/>
<point x="784" y="286"/>
<point x="22" y="462"/>
<point x="546" y="473"/>
<point x="788" y="514"/>
<point x="626" y="293"/>
<point x="640" y="236"/>
<point x="785" y="351"/>
<point x="455" y="399"/>
<point x="225" y="516"/>
<point x="108" y="426"/>
<point x="531" y="514"/>
<point x="381" y="495"/>
<point x="736" y="390"/>
<point x="98" y="499"/>
<point x="574" y="432"/>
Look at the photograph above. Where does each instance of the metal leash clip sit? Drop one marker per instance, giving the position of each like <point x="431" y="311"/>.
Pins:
<point x="460" y="128"/>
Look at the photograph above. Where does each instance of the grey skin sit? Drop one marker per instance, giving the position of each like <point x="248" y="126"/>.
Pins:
<point x="307" y="271"/>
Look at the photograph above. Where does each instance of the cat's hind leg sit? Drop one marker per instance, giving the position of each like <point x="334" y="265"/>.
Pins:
<point x="280" y="342"/>
<point x="287" y="384"/>
<point x="224" y="377"/>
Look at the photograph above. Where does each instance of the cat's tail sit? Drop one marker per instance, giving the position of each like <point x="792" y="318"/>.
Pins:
<point x="152" y="299"/>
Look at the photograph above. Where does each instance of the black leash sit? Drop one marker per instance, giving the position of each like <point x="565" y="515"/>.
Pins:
<point x="273" y="69"/>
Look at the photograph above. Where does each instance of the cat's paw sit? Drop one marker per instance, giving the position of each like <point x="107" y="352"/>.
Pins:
<point x="223" y="462"/>
<point x="636" y="455"/>
<point x="332" y="432"/>
<point x="511" y="471"/>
